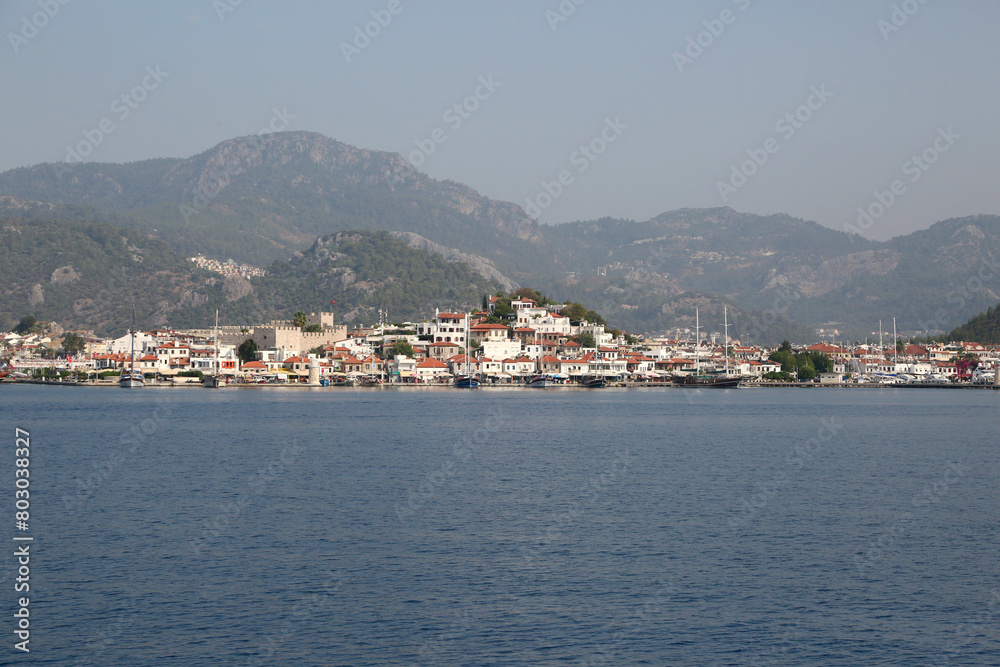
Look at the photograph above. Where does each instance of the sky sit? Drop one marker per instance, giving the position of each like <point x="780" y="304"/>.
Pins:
<point x="876" y="117"/>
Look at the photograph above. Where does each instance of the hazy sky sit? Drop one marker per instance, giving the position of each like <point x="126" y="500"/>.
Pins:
<point x="886" y="81"/>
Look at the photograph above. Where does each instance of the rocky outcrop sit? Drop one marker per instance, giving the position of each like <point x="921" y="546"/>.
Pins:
<point x="480" y="265"/>
<point x="36" y="296"/>
<point x="833" y="273"/>
<point x="65" y="275"/>
<point x="235" y="288"/>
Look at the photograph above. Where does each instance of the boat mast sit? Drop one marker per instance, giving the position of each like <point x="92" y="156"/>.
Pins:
<point x="697" y="343"/>
<point x="725" y="342"/>
<point x="895" y="348"/>
<point x="216" y="342"/>
<point x="881" y="350"/>
<point x="131" y="367"/>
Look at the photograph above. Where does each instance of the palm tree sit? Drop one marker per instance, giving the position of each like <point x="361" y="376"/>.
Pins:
<point x="299" y="319"/>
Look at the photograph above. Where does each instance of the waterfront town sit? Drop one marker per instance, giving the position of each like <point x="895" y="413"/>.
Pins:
<point x="535" y="340"/>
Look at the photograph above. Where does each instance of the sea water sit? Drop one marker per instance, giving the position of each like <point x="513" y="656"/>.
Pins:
<point x="286" y="526"/>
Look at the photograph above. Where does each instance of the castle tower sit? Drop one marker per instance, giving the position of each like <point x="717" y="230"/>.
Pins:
<point x="323" y="319"/>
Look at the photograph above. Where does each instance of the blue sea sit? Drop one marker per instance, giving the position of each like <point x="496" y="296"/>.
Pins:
<point x="287" y="526"/>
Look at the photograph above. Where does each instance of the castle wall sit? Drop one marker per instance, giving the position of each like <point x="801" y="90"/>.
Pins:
<point x="280" y="333"/>
<point x="291" y="337"/>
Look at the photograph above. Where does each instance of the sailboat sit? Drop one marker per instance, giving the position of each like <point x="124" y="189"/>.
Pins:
<point x="132" y="379"/>
<point x="597" y="380"/>
<point x="466" y="381"/>
<point x="214" y="380"/>
<point x="721" y="380"/>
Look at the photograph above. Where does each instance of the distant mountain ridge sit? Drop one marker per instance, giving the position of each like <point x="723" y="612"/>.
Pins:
<point x="258" y="200"/>
<point x="263" y="198"/>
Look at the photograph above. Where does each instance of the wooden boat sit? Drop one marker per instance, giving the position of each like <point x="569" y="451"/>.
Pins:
<point x="718" y="381"/>
<point x="131" y="379"/>
<point x="466" y="382"/>
<point x="214" y="381"/>
<point x="713" y="379"/>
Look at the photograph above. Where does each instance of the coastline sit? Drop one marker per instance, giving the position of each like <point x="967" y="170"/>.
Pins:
<point x="622" y="385"/>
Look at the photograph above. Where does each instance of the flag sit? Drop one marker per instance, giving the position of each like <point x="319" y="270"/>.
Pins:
<point x="332" y="301"/>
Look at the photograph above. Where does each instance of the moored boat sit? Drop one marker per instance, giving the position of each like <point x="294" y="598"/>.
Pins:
<point x="214" y="381"/>
<point x="541" y="381"/>
<point x="466" y="382"/>
<point x="713" y="379"/>
<point x="131" y="379"/>
<point x="718" y="381"/>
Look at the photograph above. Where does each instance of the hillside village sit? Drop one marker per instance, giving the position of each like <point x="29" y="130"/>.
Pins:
<point x="535" y="339"/>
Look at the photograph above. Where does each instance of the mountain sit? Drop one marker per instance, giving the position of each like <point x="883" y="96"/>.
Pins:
<point x="88" y="275"/>
<point x="364" y="272"/>
<point x="257" y="199"/>
<point x="929" y="280"/>
<point x="983" y="328"/>
<point x="779" y="266"/>
<point x="261" y="199"/>
<point x="637" y="270"/>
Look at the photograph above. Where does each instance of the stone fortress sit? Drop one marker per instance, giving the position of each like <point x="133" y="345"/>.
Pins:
<point x="283" y="333"/>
